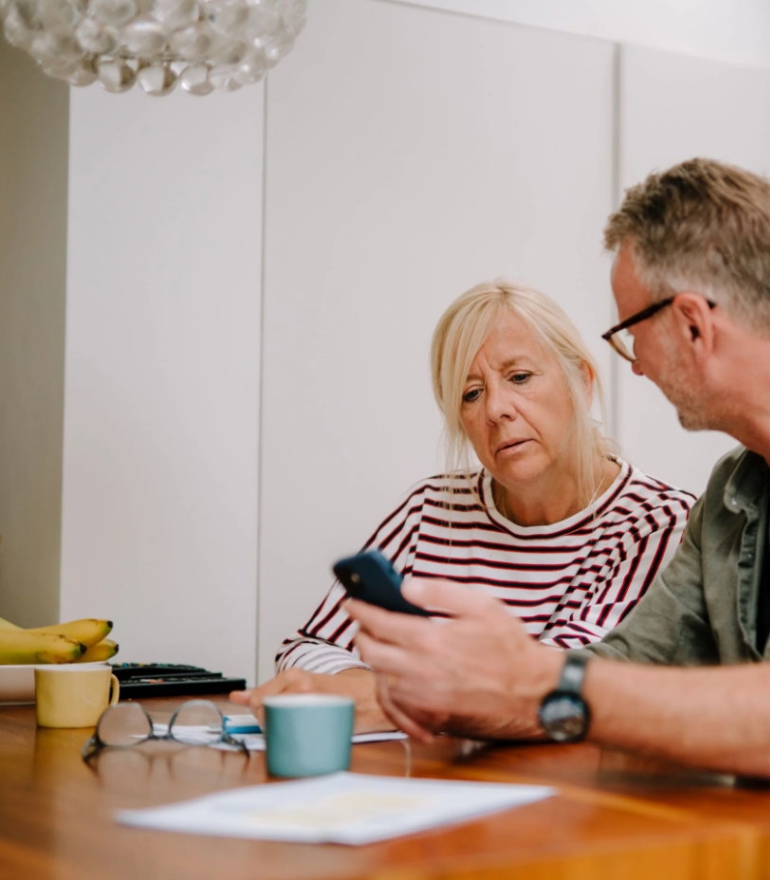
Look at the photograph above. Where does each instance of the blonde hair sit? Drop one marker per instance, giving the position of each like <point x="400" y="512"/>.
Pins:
<point x="461" y="332"/>
<point x="701" y="224"/>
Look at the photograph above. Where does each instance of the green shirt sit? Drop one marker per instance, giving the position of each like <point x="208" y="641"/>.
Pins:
<point x="702" y="609"/>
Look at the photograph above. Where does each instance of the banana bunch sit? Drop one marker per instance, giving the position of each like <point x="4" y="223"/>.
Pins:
<point x="77" y="641"/>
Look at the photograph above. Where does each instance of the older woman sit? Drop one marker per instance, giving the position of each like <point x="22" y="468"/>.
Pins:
<point x="565" y="533"/>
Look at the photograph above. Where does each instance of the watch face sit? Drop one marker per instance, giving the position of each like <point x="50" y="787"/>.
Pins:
<point x="564" y="716"/>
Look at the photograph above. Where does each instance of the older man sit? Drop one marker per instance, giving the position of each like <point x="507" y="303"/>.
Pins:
<point x="691" y="279"/>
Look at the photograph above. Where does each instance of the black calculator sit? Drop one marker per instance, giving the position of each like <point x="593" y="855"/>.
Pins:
<point x="171" y="680"/>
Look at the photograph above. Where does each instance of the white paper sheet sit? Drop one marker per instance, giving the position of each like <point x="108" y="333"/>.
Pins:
<point x="255" y="742"/>
<point x="346" y="808"/>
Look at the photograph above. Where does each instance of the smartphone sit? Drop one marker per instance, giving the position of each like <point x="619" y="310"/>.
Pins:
<point x="371" y="577"/>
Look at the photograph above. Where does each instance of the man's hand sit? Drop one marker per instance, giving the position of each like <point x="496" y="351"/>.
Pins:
<point x="475" y="672"/>
<point x="356" y="683"/>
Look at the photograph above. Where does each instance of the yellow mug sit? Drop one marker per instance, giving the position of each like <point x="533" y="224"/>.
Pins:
<point x="71" y="695"/>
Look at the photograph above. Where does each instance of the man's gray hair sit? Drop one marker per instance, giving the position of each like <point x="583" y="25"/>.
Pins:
<point x="704" y="226"/>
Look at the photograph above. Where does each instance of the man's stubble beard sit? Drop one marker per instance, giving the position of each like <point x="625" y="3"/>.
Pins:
<point x="689" y="405"/>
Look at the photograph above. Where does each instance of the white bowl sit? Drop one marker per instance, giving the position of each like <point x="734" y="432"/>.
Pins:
<point x="17" y="683"/>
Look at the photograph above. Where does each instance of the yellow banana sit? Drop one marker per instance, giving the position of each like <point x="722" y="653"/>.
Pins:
<point x="89" y="630"/>
<point x="100" y="651"/>
<point x="21" y="647"/>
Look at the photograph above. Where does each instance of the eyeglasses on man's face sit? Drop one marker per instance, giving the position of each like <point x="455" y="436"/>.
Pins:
<point x="620" y="337"/>
<point x="194" y="723"/>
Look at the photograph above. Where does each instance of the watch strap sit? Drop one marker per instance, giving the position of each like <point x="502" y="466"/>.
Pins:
<point x="573" y="672"/>
<point x="564" y="714"/>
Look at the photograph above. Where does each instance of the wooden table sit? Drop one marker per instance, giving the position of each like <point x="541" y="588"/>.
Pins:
<point x="594" y="769"/>
<point x="56" y="817"/>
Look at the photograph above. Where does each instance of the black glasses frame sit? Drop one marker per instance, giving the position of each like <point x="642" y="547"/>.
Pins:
<point x="96" y="744"/>
<point x="642" y="315"/>
<point x="636" y="318"/>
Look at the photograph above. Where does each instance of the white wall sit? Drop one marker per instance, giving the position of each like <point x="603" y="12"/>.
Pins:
<point x="735" y="31"/>
<point x="162" y="373"/>
<point x="673" y="108"/>
<point x="33" y="205"/>
<point x="409" y="156"/>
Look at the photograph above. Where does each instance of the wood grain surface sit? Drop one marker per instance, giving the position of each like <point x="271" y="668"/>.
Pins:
<point x="608" y="818"/>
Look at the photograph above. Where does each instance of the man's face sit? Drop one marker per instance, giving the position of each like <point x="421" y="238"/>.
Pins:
<point x="656" y="346"/>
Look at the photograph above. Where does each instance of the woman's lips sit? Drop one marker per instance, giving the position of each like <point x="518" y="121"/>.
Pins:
<point x="510" y="444"/>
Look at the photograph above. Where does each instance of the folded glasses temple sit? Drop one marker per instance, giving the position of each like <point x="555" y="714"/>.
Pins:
<point x="91" y="748"/>
<point x="232" y="741"/>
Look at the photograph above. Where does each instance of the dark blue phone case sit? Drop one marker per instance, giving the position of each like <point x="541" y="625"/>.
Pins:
<point x="371" y="577"/>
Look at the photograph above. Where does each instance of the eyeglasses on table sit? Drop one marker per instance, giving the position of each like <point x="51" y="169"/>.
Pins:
<point x="194" y="723"/>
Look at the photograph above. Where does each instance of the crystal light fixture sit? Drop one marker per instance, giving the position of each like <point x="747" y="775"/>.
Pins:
<point x="201" y="44"/>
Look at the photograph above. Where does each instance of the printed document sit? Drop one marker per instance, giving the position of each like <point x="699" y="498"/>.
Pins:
<point x="347" y="808"/>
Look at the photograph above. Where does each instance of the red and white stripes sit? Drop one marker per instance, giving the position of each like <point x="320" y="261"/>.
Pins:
<point x="569" y="583"/>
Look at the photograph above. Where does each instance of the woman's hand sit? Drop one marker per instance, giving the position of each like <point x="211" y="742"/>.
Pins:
<point x="360" y="684"/>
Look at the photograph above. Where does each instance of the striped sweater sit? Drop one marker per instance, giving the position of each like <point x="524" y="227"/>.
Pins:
<point x="569" y="582"/>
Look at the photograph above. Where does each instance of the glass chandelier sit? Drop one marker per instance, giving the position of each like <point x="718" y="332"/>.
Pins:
<point x="201" y="44"/>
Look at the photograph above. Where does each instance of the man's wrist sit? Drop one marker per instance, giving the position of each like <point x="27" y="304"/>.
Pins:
<point x="545" y="671"/>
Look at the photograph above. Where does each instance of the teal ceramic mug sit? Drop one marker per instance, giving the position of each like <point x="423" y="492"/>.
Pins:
<point x="308" y="734"/>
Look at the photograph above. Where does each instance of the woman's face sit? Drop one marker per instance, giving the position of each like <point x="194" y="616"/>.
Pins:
<point x="517" y="412"/>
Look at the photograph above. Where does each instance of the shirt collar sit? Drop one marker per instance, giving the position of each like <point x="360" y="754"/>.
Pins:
<point x="748" y="482"/>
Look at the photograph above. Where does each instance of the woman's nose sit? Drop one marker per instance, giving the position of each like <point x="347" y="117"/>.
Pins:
<point x="500" y="404"/>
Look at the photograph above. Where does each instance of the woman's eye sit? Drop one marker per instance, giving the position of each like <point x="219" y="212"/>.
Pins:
<point x="471" y="395"/>
<point x="519" y="378"/>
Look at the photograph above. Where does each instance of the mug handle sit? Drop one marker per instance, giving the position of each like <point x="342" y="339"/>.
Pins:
<point x="114" y="690"/>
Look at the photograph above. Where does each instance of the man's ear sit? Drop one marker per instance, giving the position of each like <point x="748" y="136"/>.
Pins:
<point x="692" y="313"/>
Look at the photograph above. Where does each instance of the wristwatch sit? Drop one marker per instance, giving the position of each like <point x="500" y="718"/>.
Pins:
<point x="564" y="714"/>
